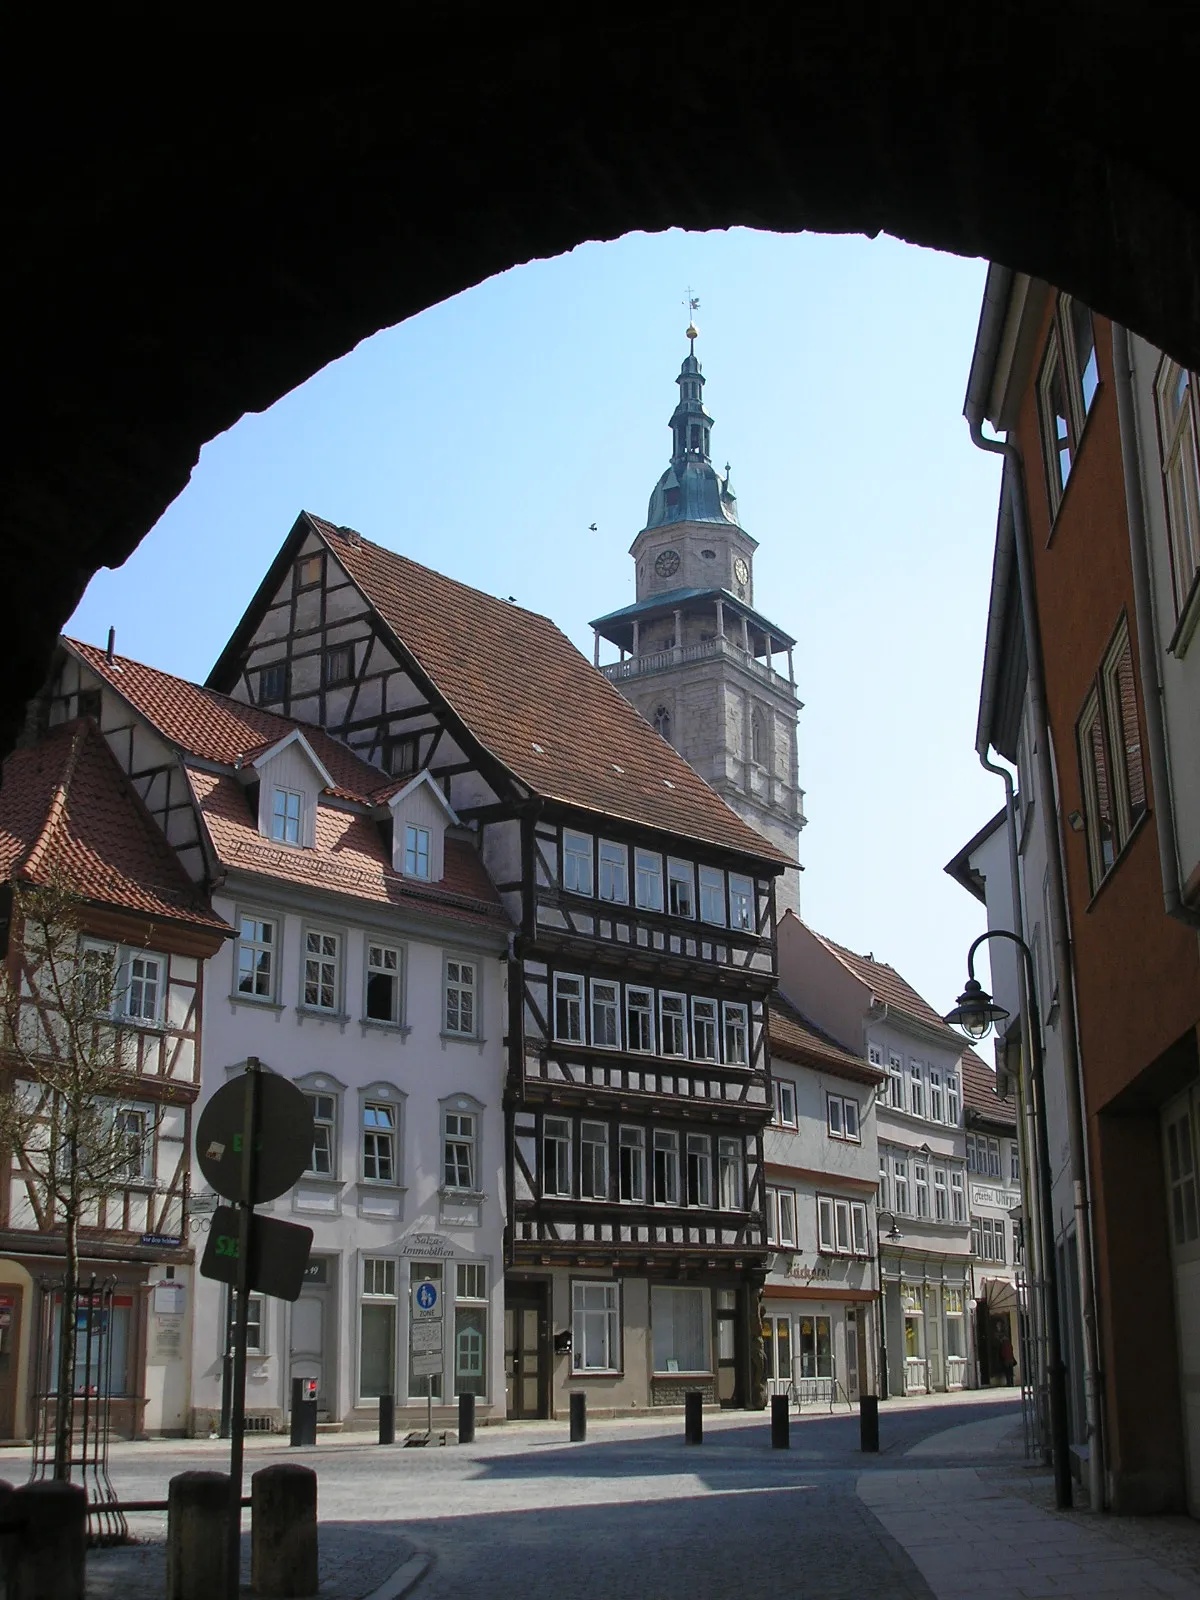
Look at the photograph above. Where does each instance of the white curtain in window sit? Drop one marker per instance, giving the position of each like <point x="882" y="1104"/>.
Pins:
<point x="680" y="1318"/>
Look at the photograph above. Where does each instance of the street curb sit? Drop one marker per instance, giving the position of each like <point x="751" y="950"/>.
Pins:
<point x="404" y="1580"/>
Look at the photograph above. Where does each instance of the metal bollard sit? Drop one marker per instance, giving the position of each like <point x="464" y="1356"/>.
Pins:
<point x="304" y="1412"/>
<point x="48" y="1542"/>
<point x="387" y="1419"/>
<point x="197" y="1548"/>
<point x="693" y="1417"/>
<point x="466" y="1419"/>
<point x="578" y="1418"/>
<point x="780" y="1423"/>
<point x="868" y="1424"/>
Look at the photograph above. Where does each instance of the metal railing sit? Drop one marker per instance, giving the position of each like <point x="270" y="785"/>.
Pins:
<point x="679" y="655"/>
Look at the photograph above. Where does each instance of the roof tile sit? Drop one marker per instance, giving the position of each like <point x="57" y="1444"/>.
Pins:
<point x="793" y="1035"/>
<point x="886" y="984"/>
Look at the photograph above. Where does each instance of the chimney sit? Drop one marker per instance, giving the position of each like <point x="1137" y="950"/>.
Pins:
<point x="112" y="645"/>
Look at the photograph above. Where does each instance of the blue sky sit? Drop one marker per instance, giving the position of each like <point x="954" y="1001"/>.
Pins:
<point x="484" y="436"/>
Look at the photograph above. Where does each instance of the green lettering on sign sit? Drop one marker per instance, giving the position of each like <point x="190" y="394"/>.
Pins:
<point x="227" y="1245"/>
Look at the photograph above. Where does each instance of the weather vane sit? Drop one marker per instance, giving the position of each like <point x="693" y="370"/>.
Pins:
<point x="693" y="305"/>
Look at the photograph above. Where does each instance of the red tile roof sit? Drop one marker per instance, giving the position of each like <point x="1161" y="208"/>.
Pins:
<point x="518" y="683"/>
<point x="795" y="1037"/>
<point x="349" y="857"/>
<point x="979" y="1091"/>
<point x="886" y="985"/>
<point x="66" y="806"/>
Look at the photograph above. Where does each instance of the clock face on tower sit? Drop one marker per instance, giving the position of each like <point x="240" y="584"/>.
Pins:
<point x="740" y="570"/>
<point x="667" y="564"/>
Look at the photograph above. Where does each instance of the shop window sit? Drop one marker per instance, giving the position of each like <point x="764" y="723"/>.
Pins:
<point x="377" y="1328"/>
<point x="816" y="1347"/>
<point x="679" y="1319"/>
<point x="956" y="1338"/>
<point x="595" y="1326"/>
<point x="470" y="1328"/>
<point x="777" y="1348"/>
<point x="108" y="1343"/>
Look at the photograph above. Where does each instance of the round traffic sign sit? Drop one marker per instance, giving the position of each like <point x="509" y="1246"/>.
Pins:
<point x="283" y="1146"/>
<point x="427" y="1296"/>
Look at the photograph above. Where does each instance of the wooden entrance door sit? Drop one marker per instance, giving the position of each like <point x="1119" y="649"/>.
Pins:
<point x="729" y="1389"/>
<point x="11" y="1295"/>
<point x="525" y="1354"/>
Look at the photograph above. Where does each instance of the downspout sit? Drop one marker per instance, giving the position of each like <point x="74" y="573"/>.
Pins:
<point x="1063" y="965"/>
<point x="1143" y="610"/>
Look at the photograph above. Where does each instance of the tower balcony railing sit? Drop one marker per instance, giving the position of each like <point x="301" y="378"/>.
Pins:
<point x="645" y="666"/>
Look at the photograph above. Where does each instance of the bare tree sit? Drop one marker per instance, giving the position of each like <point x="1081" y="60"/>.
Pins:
<point x="64" y="1092"/>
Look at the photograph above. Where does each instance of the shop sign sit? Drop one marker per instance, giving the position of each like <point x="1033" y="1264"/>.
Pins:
<point x="168" y="1298"/>
<point x="426" y="1247"/>
<point x="1001" y="1199"/>
<point x="807" y="1274"/>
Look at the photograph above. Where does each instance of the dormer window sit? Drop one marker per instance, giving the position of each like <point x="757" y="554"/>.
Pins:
<point x="416" y="852"/>
<point x="285" y="816"/>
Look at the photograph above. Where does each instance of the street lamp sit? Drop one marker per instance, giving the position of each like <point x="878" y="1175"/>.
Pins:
<point x="975" y="1013"/>
<point x="893" y="1237"/>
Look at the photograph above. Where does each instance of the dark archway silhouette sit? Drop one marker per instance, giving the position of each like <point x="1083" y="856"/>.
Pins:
<point x="193" y="234"/>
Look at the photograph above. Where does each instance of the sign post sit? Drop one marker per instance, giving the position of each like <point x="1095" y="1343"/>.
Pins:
<point x="237" y="1426"/>
<point x="426" y="1337"/>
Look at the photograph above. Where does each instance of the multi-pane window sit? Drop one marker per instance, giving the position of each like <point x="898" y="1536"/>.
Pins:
<point x="936" y="1103"/>
<point x="988" y="1238"/>
<point x="272" y="683"/>
<point x="826" y="1240"/>
<point x="672" y="1018"/>
<point x="741" y="903"/>
<point x="377" y="1328"/>
<point x="895" y="1080"/>
<point x="785" y="1103"/>
<point x="900" y="1182"/>
<point x="1109" y="739"/>
<point x="699" y="1170"/>
<point x="568" y="1008"/>
<point x="285" y="816"/>
<point x="859" y="1238"/>
<point x="556" y="1155"/>
<point x="470" y="1328"/>
<point x="595" y="1326"/>
<point x="383" y="982"/>
<point x="143" y="986"/>
<point x="403" y="754"/>
<point x="614" y="872"/>
<point x="1057" y="444"/>
<point x="648" y="882"/>
<point x="633" y="1164"/>
<point x="952" y="1101"/>
<point x="916" y="1087"/>
<point x="681" y="888"/>
<point x="322" y="961"/>
<point x="786" y="1202"/>
<point x="458" y="1150"/>
<point x="737" y="1050"/>
<point x="816" y="1347"/>
<point x="462" y="978"/>
<point x="841" y="1225"/>
<point x="958" y="1198"/>
<point x="339" y="664"/>
<point x="952" y="1302"/>
<point x="379" y="1142"/>
<point x="884" y="1202"/>
<point x="921" y="1187"/>
<point x="132" y="1127"/>
<point x="416" y="851"/>
<point x="704" y="1030"/>
<point x="606" y="1013"/>
<point x="1181" y="1180"/>
<point x="1018" y="1242"/>
<point x="983" y="1155"/>
<point x="841" y="1114"/>
<point x="639" y="1020"/>
<point x="1177" y="399"/>
<point x="324" y="1110"/>
<point x="256" y="957"/>
<point x="1067" y="386"/>
<point x="729" y="1173"/>
<point x="577" y="862"/>
<point x="666" y="1167"/>
<point x="1014" y="1161"/>
<point x="593" y="1160"/>
<point x="941" y="1198"/>
<point x="712" y="896"/>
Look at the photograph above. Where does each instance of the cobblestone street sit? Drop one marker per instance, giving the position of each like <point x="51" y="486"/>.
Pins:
<point x="950" y="1508"/>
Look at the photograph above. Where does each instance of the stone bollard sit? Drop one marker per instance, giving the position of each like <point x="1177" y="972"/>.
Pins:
<point x="868" y="1424"/>
<point x="48" y="1541"/>
<point x="578" y="1417"/>
<point x="387" y="1419"/>
<point x="781" y="1423"/>
<point x="693" y="1417"/>
<point x="197" y="1541"/>
<point x="283" y="1531"/>
<point x="466" y="1419"/>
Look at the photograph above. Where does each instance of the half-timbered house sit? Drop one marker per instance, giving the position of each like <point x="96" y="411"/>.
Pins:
<point x="637" y="1068"/>
<point x="68" y="814"/>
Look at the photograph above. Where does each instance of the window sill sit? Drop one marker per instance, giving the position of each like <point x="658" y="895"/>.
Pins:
<point x="1117" y="860"/>
<point x="254" y="1003"/>
<point x="375" y="1025"/>
<point x="596" y="1372"/>
<point x="462" y="1038"/>
<point x="382" y="1186"/>
<point x="319" y="1180"/>
<point x="641" y="1059"/>
<point x="1056" y="512"/>
<point x="314" y="1014"/>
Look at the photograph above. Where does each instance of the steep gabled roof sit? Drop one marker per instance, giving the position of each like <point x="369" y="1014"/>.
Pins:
<point x="795" y="1037"/>
<point x="528" y="697"/>
<point x="66" y="806"/>
<point x="886" y="985"/>
<point x="979" y="1092"/>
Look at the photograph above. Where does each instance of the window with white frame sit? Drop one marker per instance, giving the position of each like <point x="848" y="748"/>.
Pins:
<point x="885" y="1181"/>
<point x="737" y="1034"/>
<point x="256" y="1344"/>
<point x="1018" y="1243"/>
<point x="666" y="1167"/>
<point x="841" y="1116"/>
<point x="895" y="1080"/>
<point x="377" y="1328"/>
<point x="859" y="1238"/>
<point x="286" y="816"/>
<point x="1175" y="393"/>
<point x="470" y="1328"/>
<point x="416" y="851"/>
<point x="322" y="970"/>
<point x="255" y="958"/>
<point x="941" y="1195"/>
<point x="385" y="965"/>
<point x="379" y="1142"/>
<point x="568" y="1007"/>
<point x="958" y="1198"/>
<point x="936" y="1102"/>
<point x="900" y="1183"/>
<point x="988" y="1238"/>
<point x="826" y="1242"/>
<point x="577" y="862"/>
<point x="632" y="1157"/>
<point x="952" y="1302"/>
<point x="133" y="1128"/>
<point x="875" y="1055"/>
<point x="606" y="1013"/>
<point x="672" y="1019"/>
<point x="921" y="1187"/>
<point x="648" y="880"/>
<point x="614" y="872"/>
<point x="595" y="1326"/>
<point x="556" y="1156"/>
<point x="729" y="1173"/>
<point x="458" y="1150"/>
<point x="841" y="1226"/>
<point x="785" y="1103"/>
<point x="1067" y="383"/>
<point x="639" y="1020"/>
<point x="704" y="1030"/>
<point x="324" y="1148"/>
<point x="785" y="1200"/>
<point x="953" y="1107"/>
<point x="741" y="903"/>
<point x="681" y="888"/>
<point x="1183" y="1200"/>
<point x="916" y="1087"/>
<point x="593" y="1160"/>
<point x="699" y="1170"/>
<point x="462" y="982"/>
<point x="712" y="896"/>
<point x="679" y="1318"/>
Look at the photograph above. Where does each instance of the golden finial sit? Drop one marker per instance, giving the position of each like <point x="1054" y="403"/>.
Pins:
<point x="692" y="303"/>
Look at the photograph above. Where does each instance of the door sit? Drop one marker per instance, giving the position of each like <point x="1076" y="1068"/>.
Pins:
<point x="307" y="1356"/>
<point x="777" y="1345"/>
<point x="852" y="1390"/>
<point x="10" y="1345"/>
<point x="524" y="1353"/>
<point x="728" y="1388"/>
<point x="933" y="1335"/>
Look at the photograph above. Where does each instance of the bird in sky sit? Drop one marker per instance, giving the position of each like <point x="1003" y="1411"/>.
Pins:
<point x="591" y="527"/>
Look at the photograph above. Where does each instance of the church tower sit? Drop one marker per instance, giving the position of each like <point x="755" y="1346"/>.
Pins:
<point x="700" y="663"/>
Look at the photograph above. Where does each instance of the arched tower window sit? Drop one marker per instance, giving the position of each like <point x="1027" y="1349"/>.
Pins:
<point x="759" y="746"/>
<point x="662" y="723"/>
